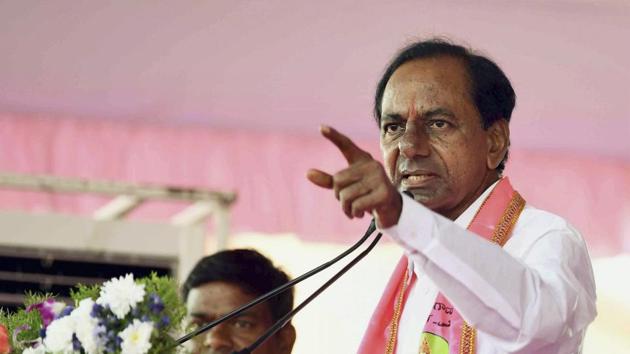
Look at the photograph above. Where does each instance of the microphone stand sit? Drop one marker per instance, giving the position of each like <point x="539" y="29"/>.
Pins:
<point x="277" y="290"/>
<point x="286" y="318"/>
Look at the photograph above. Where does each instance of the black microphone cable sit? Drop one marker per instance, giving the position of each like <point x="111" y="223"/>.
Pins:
<point x="279" y="289"/>
<point x="286" y="318"/>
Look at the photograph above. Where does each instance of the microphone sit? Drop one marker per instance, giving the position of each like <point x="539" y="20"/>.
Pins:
<point x="286" y="318"/>
<point x="370" y="230"/>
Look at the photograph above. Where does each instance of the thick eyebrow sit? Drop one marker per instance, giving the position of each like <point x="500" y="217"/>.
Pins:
<point x="198" y="314"/>
<point x="438" y="112"/>
<point x="392" y="118"/>
<point x="206" y="318"/>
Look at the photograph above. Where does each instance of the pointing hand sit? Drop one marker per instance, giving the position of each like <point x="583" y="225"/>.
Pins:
<point x="362" y="187"/>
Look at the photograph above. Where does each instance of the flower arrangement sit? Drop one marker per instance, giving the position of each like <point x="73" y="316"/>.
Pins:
<point x="122" y="316"/>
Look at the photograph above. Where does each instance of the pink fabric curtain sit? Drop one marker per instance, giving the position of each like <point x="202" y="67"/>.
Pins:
<point x="268" y="172"/>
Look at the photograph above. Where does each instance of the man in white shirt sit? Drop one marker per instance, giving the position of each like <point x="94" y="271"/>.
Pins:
<point x="484" y="272"/>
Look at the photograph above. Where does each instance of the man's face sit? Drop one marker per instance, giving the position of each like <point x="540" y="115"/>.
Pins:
<point x="210" y="301"/>
<point x="432" y="138"/>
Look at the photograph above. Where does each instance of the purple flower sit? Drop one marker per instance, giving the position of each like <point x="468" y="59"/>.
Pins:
<point x="48" y="310"/>
<point x="111" y="340"/>
<point x="97" y="310"/>
<point x="155" y="303"/>
<point x="45" y="311"/>
<point x="76" y="345"/>
<point x="110" y="347"/>
<point x="164" y="321"/>
<point x="66" y="311"/>
<point x="111" y="335"/>
<point x="110" y="321"/>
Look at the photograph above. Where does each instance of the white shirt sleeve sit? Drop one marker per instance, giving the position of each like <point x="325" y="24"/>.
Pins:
<point x="545" y="295"/>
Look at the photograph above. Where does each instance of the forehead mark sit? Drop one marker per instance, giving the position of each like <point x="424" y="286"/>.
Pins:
<point x="412" y="110"/>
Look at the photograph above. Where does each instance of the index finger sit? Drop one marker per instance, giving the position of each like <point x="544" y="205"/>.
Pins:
<point x="350" y="151"/>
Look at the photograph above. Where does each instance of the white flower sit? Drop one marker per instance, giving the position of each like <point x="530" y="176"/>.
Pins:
<point x="36" y="350"/>
<point x="136" y="337"/>
<point x="57" y="307"/>
<point x="121" y="295"/>
<point x="87" y="327"/>
<point x="59" y="335"/>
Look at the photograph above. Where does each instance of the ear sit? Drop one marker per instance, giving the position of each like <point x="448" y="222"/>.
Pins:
<point x="286" y="338"/>
<point x="498" y="143"/>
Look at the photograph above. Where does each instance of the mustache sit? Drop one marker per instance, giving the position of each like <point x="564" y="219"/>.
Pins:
<point x="411" y="165"/>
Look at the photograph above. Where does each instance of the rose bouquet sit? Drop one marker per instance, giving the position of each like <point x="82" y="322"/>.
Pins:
<point x="124" y="315"/>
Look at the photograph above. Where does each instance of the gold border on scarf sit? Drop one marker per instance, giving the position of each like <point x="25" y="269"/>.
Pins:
<point x="393" y="329"/>
<point x="499" y="236"/>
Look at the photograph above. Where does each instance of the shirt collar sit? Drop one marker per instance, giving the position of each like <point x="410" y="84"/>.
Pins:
<point x="463" y="220"/>
<point x="466" y="217"/>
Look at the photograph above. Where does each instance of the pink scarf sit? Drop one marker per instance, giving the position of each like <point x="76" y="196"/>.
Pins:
<point x="445" y="330"/>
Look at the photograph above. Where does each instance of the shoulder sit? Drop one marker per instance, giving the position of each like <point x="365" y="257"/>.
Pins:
<point x="541" y="219"/>
<point x="536" y="227"/>
<point x="546" y="241"/>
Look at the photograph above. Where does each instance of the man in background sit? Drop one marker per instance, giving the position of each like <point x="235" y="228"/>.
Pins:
<point x="224" y="281"/>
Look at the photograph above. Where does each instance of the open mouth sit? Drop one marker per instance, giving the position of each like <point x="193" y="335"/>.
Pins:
<point x="414" y="180"/>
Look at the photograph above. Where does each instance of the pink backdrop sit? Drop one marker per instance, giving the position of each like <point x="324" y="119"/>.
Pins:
<point x="267" y="170"/>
